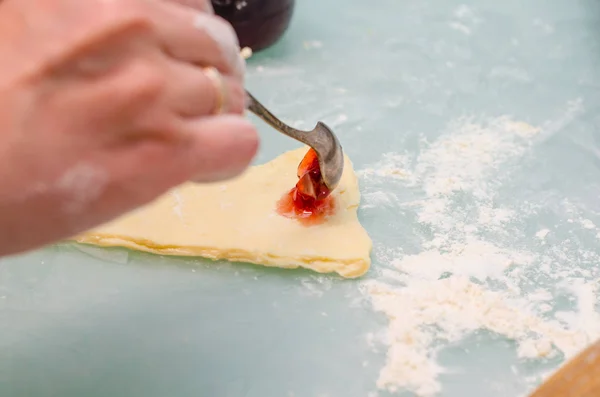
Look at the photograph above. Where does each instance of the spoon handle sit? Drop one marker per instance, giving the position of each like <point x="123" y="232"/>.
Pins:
<point x="258" y="109"/>
<point x="321" y="139"/>
<point x="579" y="377"/>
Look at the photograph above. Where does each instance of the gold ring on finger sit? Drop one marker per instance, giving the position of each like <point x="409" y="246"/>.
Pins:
<point x="217" y="81"/>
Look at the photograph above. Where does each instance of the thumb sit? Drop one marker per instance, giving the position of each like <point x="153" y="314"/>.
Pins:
<point x="222" y="146"/>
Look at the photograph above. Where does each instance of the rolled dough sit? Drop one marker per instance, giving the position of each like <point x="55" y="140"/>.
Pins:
<point x="237" y="221"/>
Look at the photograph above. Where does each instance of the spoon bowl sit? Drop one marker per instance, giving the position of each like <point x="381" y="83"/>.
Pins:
<point x="321" y="139"/>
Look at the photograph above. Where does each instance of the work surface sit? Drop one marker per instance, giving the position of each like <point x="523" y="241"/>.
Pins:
<point x="474" y="127"/>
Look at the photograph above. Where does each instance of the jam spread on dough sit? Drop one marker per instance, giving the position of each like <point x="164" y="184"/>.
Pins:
<point x="309" y="201"/>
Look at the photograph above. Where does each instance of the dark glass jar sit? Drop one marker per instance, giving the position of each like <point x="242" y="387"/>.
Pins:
<point x="258" y="23"/>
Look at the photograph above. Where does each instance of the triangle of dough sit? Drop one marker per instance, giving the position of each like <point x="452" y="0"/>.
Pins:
<point x="237" y="221"/>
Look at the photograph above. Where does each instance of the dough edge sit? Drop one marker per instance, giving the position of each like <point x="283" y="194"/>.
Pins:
<point x="345" y="268"/>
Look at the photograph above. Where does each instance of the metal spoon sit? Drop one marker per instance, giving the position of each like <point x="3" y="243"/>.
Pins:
<point x="321" y="139"/>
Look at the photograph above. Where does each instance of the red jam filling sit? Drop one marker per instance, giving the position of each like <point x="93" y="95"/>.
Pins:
<point x="309" y="201"/>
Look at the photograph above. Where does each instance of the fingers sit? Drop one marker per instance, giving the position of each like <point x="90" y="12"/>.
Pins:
<point x="124" y="103"/>
<point x="218" y="148"/>
<point x="148" y="98"/>
<point x="192" y="92"/>
<point x="198" y="38"/>
<point x="221" y="147"/>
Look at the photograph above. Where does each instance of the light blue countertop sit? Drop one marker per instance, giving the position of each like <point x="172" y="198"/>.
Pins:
<point x="475" y="130"/>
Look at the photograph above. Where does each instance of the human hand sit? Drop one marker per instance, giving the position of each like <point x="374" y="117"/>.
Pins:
<point x="105" y="105"/>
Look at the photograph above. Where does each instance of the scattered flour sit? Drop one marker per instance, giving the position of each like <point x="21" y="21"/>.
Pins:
<point x="542" y="234"/>
<point x="460" y="281"/>
<point x="391" y="165"/>
<point x="465" y="20"/>
<point x="314" y="44"/>
<point x="315" y="285"/>
<point x="586" y="223"/>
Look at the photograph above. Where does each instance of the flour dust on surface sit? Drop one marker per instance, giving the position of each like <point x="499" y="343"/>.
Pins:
<point x="472" y="267"/>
